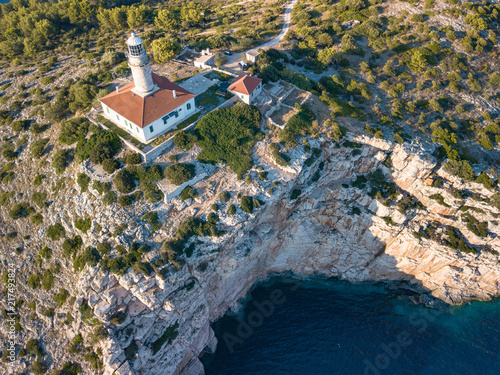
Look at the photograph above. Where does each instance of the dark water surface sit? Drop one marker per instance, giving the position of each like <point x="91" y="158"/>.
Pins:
<point x="333" y="327"/>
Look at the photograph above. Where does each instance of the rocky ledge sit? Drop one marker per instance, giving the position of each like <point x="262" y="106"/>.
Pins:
<point x="332" y="229"/>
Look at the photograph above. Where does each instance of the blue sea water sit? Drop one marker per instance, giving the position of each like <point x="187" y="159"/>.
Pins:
<point x="333" y="327"/>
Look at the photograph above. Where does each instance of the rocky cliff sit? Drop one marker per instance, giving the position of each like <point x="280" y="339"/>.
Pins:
<point x="332" y="229"/>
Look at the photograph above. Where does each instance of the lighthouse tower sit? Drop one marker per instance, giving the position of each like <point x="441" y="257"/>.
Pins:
<point x="138" y="61"/>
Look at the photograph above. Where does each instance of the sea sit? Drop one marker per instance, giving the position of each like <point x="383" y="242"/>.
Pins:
<point x="327" y="327"/>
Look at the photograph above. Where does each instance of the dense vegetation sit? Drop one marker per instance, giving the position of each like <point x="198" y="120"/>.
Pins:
<point x="227" y="135"/>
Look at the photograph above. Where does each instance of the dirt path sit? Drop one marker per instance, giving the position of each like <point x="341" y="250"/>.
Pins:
<point x="232" y="63"/>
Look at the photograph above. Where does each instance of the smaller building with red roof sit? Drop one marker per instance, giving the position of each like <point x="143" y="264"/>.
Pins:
<point x="246" y="87"/>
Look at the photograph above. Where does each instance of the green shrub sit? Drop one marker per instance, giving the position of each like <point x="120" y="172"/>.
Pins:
<point x="38" y="179"/>
<point x="76" y="344"/>
<point x="47" y="280"/>
<point x="89" y="256"/>
<point x="34" y="281"/>
<point x="45" y="252"/>
<point x="109" y="198"/>
<point x="475" y="226"/>
<point x="34" y="348"/>
<point x="71" y="246"/>
<point x="38" y="147"/>
<point x="298" y="125"/>
<point x="62" y="159"/>
<point x="56" y="232"/>
<point x="83" y="180"/>
<point x="460" y="168"/>
<point x="98" y="147"/>
<point x="61" y="297"/>
<point x="188" y="193"/>
<point x="184" y="140"/>
<point x="231" y="210"/>
<point x="47" y="80"/>
<point x="73" y="130"/>
<point x="246" y="204"/>
<point x="455" y="241"/>
<point x="224" y="196"/>
<point x="167" y="337"/>
<point x="227" y="136"/>
<point x="5" y="198"/>
<point x="133" y="158"/>
<point x="83" y="224"/>
<point x="295" y="194"/>
<point x="110" y="165"/>
<point x="20" y="210"/>
<point x="37" y="219"/>
<point x="103" y="248"/>
<point x="39" y="199"/>
<point x="440" y="199"/>
<point x="177" y="174"/>
<point x="125" y="200"/>
<point x="124" y="181"/>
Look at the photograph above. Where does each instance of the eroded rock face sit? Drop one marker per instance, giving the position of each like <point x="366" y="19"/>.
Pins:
<point x="332" y="229"/>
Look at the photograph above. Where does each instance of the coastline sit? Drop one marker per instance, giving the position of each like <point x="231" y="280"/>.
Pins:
<point x="292" y="326"/>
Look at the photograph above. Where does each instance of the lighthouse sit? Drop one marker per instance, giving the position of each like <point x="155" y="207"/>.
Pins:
<point x="150" y="105"/>
<point x="138" y="61"/>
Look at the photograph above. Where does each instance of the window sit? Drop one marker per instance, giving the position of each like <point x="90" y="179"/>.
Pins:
<point x="137" y="130"/>
<point x="242" y="97"/>
<point x="118" y="117"/>
<point x="151" y="129"/>
<point x="176" y="114"/>
<point x="107" y="109"/>
<point x="258" y="86"/>
<point x="188" y="106"/>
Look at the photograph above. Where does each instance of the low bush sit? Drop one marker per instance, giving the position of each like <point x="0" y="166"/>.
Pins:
<point x="188" y="193"/>
<point x="83" y="224"/>
<point x="177" y="174"/>
<point x="56" y="232"/>
<point x="224" y="196"/>
<point x="227" y="136"/>
<point x="83" y="180"/>
<point x="298" y="125"/>
<point x="21" y="210"/>
<point x="475" y="226"/>
<point x="73" y="130"/>
<point x="110" y="165"/>
<point x="295" y="194"/>
<point x="132" y="159"/>
<point x="61" y="297"/>
<point x="71" y="246"/>
<point x="98" y="147"/>
<point x="246" y="204"/>
<point x="90" y="256"/>
<point x="45" y="252"/>
<point x="184" y="140"/>
<point x="124" y="181"/>
<point x="38" y="147"/>
<point x="39" y="199"/>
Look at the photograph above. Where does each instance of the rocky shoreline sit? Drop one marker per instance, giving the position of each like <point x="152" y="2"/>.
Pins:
<point x="316" y="234"/>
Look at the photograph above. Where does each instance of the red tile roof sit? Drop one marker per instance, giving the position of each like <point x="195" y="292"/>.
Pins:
<point x="244" y="84"/>
<point x="143" y="111"/>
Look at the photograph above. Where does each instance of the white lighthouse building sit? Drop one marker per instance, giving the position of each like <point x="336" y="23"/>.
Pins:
<point x="150" y="105"/>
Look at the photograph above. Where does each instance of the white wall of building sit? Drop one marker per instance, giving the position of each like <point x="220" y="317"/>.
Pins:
<point x="154" y="129"/>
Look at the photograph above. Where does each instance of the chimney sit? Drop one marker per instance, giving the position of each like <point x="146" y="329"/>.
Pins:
<point x="175" y="94"/>
<point x="117" y="89"/>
